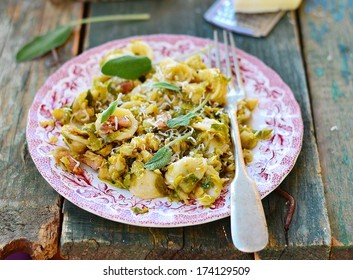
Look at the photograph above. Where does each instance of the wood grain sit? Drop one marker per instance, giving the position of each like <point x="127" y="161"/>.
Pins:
<point x="30" y="208"/>
<point x="309" y="235"/>
<point x="327" y="41"/>
<point x="86" y="236"/>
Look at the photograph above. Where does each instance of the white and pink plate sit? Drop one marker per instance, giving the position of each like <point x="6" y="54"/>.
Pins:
<point x="273" y="158"/>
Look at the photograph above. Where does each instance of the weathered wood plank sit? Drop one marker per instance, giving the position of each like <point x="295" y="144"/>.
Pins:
<point x="30" y="209"/>
<point x="327" y="40"/>
<point x="87" y="236"/>
<point x="309" y="235"/>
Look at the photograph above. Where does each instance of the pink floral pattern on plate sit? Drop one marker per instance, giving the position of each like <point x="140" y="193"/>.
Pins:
<point x="273" y="158"/>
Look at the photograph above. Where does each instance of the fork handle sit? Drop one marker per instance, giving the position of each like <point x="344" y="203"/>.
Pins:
<point x="248" y="221"/>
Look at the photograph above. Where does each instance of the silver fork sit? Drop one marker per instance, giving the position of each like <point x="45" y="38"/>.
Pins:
<point x="248" y="221"/>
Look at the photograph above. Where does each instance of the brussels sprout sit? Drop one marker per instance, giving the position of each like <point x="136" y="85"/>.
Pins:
<point x="248" y="139"/>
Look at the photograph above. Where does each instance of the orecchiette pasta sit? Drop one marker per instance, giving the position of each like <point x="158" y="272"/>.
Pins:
<point x="121" y="125"/>
<point x="175" y="71"/>
<point x="139" y="47"/>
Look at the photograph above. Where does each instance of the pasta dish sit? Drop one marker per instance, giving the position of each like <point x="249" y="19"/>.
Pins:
<point x="156" y="129"/>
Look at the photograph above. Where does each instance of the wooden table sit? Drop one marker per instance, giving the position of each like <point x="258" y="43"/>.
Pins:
<point x="312" y="51"/>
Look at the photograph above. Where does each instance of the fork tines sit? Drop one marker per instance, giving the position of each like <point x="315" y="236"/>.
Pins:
<point x="229" y="50"/>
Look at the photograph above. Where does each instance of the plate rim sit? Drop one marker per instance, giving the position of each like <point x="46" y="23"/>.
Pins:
<point x="91" y="51"/>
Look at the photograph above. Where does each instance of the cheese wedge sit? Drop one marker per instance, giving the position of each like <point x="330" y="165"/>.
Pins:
<point x="264" y="6"/>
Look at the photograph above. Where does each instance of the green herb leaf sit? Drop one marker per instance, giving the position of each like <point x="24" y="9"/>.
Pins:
<point x="127" y="67"/>
<point x="109" y="111"/>
<point x="182" y="120"/>
<point x="53" y="39"/>
<point x="44" y="43"/>
<point x="160" y="159"/>
<point x="166" y="86"/>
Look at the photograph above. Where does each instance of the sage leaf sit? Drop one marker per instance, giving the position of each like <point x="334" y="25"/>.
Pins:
<point x="127" y="67"/>
<point x="182" y="120"/>
<point x="44" y="43"/>
<point x="166" y="86"/>
<point x="109" y="111"/>
<point x="160" y="159"/>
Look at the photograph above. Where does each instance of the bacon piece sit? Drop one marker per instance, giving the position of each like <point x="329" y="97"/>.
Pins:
<point x="126" y="86"/>
<point x="66" y="160"/>
<point x="124" y="121"/>
<point x="114" y="123"/>
<point x="92" y="160"/>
